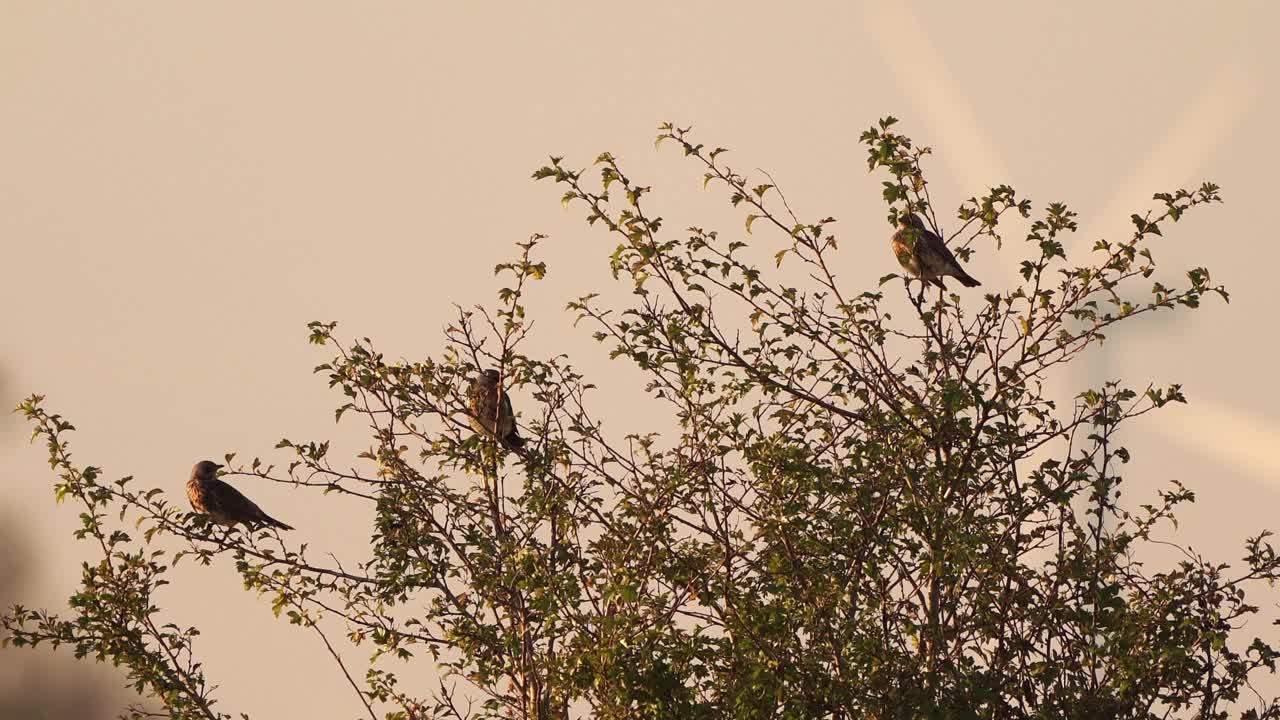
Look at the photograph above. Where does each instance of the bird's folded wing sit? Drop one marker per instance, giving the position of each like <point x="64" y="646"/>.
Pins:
<point x="937" y="248"/>
<point x="225" y="500"/>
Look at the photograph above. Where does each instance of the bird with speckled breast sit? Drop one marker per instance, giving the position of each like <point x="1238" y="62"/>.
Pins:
<point x="222" y="503"/>
<point x="924" y="255"/>
<point x="490" y="410"/>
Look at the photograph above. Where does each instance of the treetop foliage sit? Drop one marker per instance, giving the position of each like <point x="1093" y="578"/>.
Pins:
<point x="858" y="514"/>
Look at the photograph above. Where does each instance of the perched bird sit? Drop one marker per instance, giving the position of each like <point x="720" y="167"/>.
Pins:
<point x="924" y="255"/>
<point x="491" y="410"/>
<point x="223" y="503"/>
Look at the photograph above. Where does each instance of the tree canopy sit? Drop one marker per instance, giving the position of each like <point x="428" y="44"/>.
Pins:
<point x="861" y="514"/>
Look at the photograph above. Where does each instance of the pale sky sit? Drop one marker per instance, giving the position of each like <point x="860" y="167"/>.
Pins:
<point x="183" y="186"/>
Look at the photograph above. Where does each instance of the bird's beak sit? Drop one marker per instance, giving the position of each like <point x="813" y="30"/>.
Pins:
<point x="217" y="466"/>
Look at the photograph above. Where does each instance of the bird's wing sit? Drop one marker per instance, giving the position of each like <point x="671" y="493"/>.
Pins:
<point x="222" y="499"/>
<point x="506" y="417"/>
<point x="936" y="249"/>
<point x="509" y="433"/>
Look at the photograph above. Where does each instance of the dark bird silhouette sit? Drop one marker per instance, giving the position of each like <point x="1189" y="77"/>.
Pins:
<point x="223" y="503"/>
<point x="924" y="254"/>
<point x="491" y="410"/>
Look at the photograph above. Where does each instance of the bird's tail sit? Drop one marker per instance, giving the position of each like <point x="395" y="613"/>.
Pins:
<point x="513" y="441"/>
<point x="267" y="519"/>
<point x="966" y="279"/>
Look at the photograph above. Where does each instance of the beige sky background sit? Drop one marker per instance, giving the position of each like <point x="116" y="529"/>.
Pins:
<point x="184" y="185"/>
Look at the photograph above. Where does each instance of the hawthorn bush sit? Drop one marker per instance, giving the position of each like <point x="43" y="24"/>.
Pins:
<point x="858" y="515"/>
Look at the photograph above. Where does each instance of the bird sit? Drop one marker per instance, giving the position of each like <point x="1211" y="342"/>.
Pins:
<point x="223" y="503"/>
<point x="490" y="410"/>
<point x="924" y="254"/>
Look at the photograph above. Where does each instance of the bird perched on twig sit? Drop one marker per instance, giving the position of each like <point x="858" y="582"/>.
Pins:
<point x="490" y="410"/>
<point x="924" y="254"/>
<point x="223" y="503"/>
